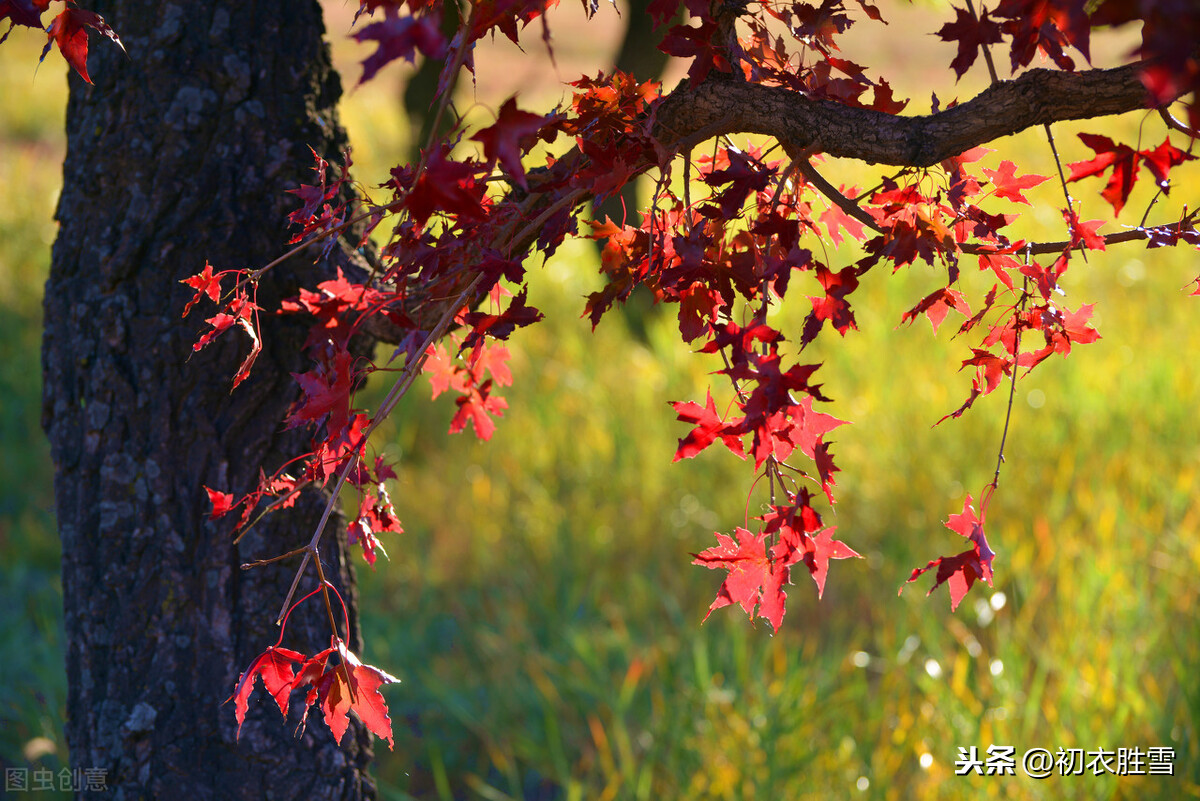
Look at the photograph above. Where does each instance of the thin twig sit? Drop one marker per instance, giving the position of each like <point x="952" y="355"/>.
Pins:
<point x="987" y="53"/>
<point x="1039" y="248"/>
<point x="325" y="585"/>
<point x="1012" y="393"/>
<point x="270" y="507"/>
<point x="1175" y="124"/>
<point x="1062" y="180"/>
<point x="261" y="562"/>
<point x="687" y="189"/>
<point x="837" y="198"/>
<point x="393" y="397"/>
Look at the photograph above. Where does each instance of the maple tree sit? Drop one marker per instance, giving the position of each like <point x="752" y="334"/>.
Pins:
<point x="734" y="226"/>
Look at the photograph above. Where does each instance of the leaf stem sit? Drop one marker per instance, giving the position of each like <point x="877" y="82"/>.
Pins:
<point x="987" y="53"/>
<point x="1012" y="393"/>
<point x="261" y="562"/>
<point x="389" y="402"/>
<point x="325" y="585"/>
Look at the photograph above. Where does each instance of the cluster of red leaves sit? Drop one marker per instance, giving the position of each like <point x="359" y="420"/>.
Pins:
<point x="809" y="62"/>
<point x="401" y="37"/>
<point x="321" y="211"/>
<point x="959" y="572"/>
<point x="1030" y="26"/>
<point x="1124" y="162"/>
<point x="335" y="679"/>
<point x="1169" y="36"/>
<point x="283" y="670"/>
<point x="240" y="310"/>
<point x="475" y="402"/>
<point x="760" y="564"/>
<point x="451" y="233"/>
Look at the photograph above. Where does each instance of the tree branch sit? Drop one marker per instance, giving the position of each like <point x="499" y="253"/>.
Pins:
<point x="1037" y="97"/>
<point x="721" y="106"/>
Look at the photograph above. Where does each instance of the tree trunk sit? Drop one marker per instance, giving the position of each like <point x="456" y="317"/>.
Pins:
<point x="179" y="154"/>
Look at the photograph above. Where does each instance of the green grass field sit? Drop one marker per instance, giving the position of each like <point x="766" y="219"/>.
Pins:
<point x="541" y="609"/>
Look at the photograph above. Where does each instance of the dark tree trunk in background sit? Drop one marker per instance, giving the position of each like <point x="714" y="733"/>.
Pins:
<point x="180" y="153"/>
<point x="421" y="91"/>
<point x="639" y="55"/>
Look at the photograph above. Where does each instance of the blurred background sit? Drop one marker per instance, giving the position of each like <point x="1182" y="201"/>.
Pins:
<point x="541" y="609"/>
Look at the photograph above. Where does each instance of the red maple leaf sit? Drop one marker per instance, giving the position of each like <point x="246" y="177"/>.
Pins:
<point x="685" y="41"/>
<point x="754" y="581"/>
<point x="884" y="101"/>
<point x="990" y="368"/>
<point x="446" y="186"/>
<point x="276" y="667"/>
<point x="819" y="549"/>
<point x="699" y="306"/>
<point x="222" y="503"/>
<point x="326" y="392"/>
<point x="741" y="341"/>
<point x="662" y="10"/>
<point x="1009" y="186"/>
<point x="1161" y="159"/>
<point x="801" y="538"/>
<point x="962" y="570"/>
<point x="808" y="426"/>
<point x="477" y="406"/>
<point x="476" y="401"/>
<point x="515" y="131"/>
<point x="205" y="283"/>
<point x="1045" y="25"/>
<point x="1075" y="329"/>
<point x="937" y="305"/>
<point x="400" y="37"/>
<point x="375" y="516"/>
<point x="1002" y="265"/>
<point x="505" y="14"/>
<point x="825" y="468"/>
<point x="836" y="220"/>
<point x="338" y="698"/>
<point x="971" y="34"/>
<point x="239" y="309"/>
<point x="490" y="357"/>
<point x="820" y="25"/>
<point x="517" y="315"/>
<point x="67" y="31"/>
<point x="709" y="428"/>
<point x="745" y="175"/>
<point x="1084" y="233"/>
<point x="444" y="374"/>
<point x="1123" y="161"/>
<point x="833" y="307"/>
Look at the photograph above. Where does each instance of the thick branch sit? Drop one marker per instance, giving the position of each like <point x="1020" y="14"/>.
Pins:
<point x="723" y="106"/>
<point x="1036" y="98"/>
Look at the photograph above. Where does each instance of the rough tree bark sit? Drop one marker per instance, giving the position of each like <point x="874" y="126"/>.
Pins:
<point x="723" y="105"/>
<point x="181" y="153"/>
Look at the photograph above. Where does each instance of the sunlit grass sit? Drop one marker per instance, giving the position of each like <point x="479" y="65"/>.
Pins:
<point x="31" y="150"/>
<point x="573" y="540"/>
